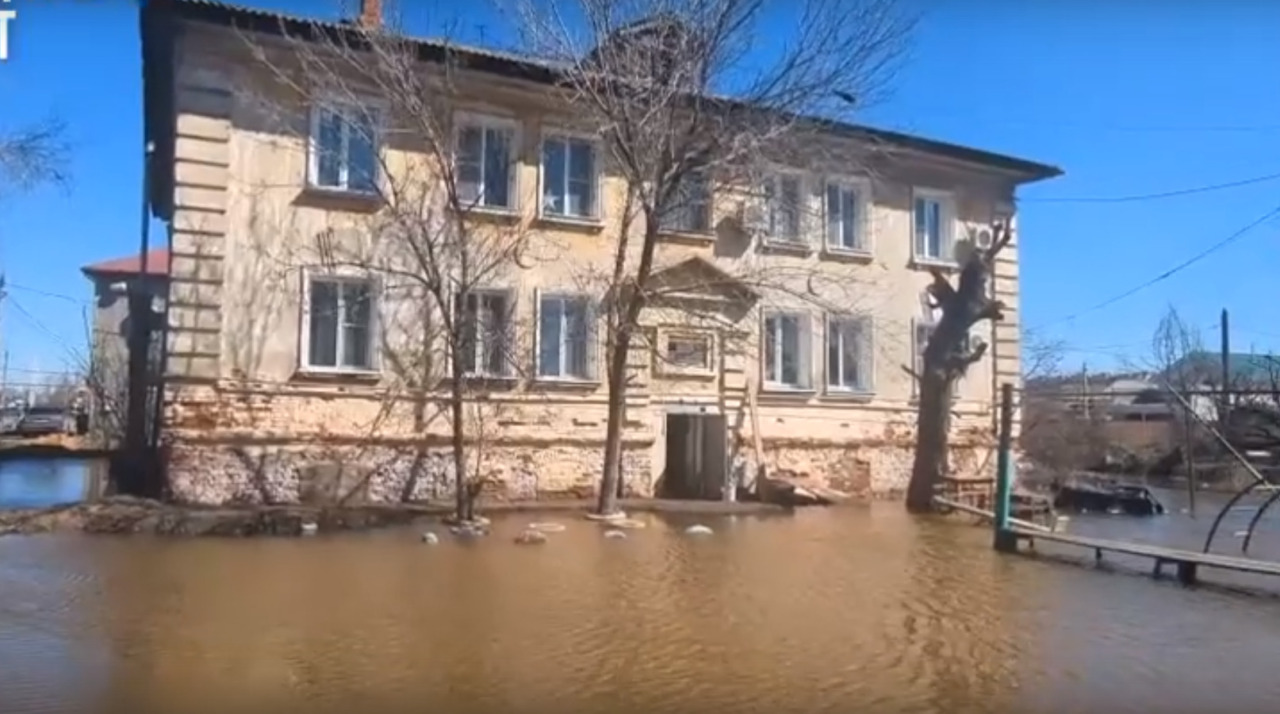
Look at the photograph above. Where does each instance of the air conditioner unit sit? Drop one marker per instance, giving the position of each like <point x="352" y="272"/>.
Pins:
<point x="981" y="238"/>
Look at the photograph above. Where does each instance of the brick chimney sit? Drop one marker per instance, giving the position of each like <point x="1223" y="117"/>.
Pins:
<point x="370" y="14"/>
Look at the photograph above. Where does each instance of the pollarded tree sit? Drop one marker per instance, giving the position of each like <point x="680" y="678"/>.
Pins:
<point x="947" y="357"/>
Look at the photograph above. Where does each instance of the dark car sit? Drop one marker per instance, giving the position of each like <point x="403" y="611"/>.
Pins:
<point x="46" y="420"/>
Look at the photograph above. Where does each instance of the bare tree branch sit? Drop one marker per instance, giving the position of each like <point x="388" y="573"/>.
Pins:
<point x="684" y="105"/>
<point x="34" y="155"/>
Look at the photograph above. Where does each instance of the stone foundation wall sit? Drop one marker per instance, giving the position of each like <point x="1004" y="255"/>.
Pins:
<point x="224" y="474"/>
<point x="876" y="470"/>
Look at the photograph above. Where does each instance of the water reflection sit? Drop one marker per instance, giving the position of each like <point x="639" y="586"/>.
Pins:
<point x="830" y="610"/>
<point x="34" y="483"/>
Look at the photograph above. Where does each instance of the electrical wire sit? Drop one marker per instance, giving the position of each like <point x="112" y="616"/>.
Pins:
<point x="1157" y="196"/>
<point x="1170" y="272"/>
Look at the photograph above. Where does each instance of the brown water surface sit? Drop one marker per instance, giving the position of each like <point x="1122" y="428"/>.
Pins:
<point x="830" y="610"/>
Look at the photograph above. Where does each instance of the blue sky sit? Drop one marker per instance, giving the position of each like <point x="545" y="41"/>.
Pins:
<point x="1129" y="99"/>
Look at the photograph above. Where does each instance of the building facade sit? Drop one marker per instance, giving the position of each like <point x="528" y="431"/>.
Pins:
<point x="278" y="368"/>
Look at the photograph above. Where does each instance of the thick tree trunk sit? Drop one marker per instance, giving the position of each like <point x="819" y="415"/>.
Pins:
<point x="463" y="503"/>
<point x="611" y="478"/>
<point x="933" y="429"/>
<point x="947" y="357"/>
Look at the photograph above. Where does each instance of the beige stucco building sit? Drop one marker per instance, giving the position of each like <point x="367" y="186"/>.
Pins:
<point x="266" y="389"/>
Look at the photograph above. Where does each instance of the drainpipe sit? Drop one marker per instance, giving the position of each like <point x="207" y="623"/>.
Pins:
<point x="139" y="336"/>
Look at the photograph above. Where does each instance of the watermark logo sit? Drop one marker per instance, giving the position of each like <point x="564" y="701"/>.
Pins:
<point x="7" y="16"/>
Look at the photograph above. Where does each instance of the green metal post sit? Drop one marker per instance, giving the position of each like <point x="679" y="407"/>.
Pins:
<point x="1004" y="539"/>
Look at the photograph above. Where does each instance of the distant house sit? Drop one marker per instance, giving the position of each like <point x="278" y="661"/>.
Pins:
<point x="109" y="347"/>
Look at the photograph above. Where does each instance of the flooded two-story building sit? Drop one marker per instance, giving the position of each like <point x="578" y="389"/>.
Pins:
<point x="279" y="362"/>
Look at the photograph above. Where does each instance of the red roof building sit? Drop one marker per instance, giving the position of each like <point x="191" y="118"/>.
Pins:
<point x="157" y="266"/>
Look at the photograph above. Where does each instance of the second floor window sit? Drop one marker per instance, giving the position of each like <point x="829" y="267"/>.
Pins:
<point x="344" y="148"/>
<point x="565" y="337"/>
<point x="483" y="327"/>
<point x="932" y="228"/>
<point x="786" y="350"/>
<point x="782" y="197"/>
<point x="689" y="210"/>
<point x="485" y="173"/>
<point x="340" y="323"/>
<point x="844" y="218"/>
<point x="568" y="177"/>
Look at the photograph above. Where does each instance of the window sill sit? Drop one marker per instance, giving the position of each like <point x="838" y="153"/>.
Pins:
<point x="481" y="377"/>
<point x="323" y="374"/>
<point x="934" y="264"/>
<point x="492" y="381"/>
<point x="566" y="383"/>
<point x="848" y="395"/>
<point x="781" y="390"/>
<point x="690" y="237"/>
<point x="786" y="247"/>
<point x="493" y="213"/>
<point x="850" y="255"/>
<point x="345" y="198"/>
<point x="700" y="374"/>
<point x="571" y="222"/>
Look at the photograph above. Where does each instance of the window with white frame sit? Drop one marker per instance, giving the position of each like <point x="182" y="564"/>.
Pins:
<point x="569" y="177"/>
<point x="849" y="353"/>
<point x="340" y="322"/>
<point x="787" y="339"/>
<point x="483" y="325"/>
<point x="485" y="163"/>
<point x="784" y="205"/>
<point x="845" y="222"/>
<point x="689" y="210"/>
<point x="566" y="337"/>
<point x="344" y="148"/>
<point x="932" y="224"/>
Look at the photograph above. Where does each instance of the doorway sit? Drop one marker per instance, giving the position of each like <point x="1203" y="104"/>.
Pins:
<point x="697" y="456"/>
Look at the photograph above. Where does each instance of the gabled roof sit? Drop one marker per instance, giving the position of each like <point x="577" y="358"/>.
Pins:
<point x="158" y="30"/>
<point x="129" y="265"/>
<point x="698" y="277"/>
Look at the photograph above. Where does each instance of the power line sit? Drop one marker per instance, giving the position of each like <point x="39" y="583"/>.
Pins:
<point x="46" y="293"/>
<point x="1156" y="196"/>
<point x="1170" y="272"/>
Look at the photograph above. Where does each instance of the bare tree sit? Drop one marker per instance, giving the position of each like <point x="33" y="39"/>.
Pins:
<point x="431" y="237"/>
<point x="681" y="103"/>
<point x="1177" y="353"/>
<point x="947" y="357"/>
<point x="33" y="155"/>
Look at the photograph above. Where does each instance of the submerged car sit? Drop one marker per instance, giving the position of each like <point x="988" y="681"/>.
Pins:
<point x="39" y="421"/>
<point x="1114" y="498"/>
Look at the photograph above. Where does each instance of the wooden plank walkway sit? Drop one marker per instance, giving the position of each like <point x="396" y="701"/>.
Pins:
<point x="1187" y="562"/>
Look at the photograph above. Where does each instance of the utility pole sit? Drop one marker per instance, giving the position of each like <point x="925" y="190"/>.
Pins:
<point x="1084" y="371"/>
<point x="1224" y="407"/>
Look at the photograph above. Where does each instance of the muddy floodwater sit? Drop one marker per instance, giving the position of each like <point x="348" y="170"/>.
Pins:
<point x="837" y="610"/>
